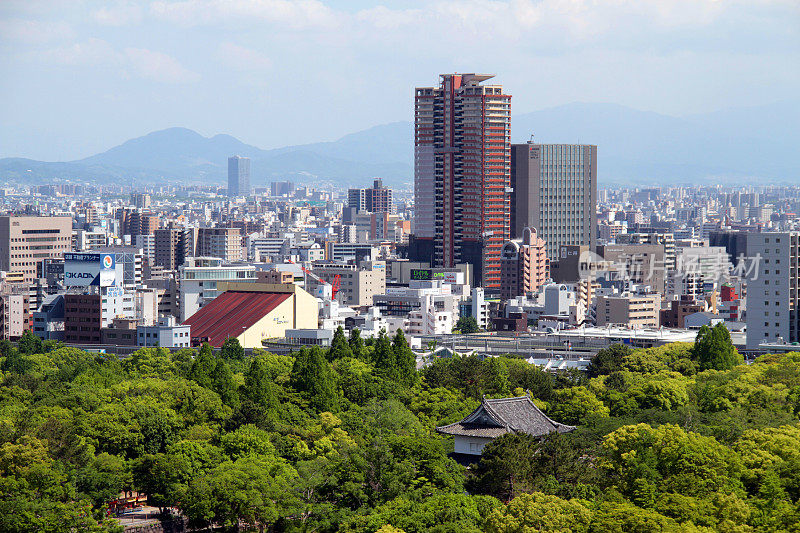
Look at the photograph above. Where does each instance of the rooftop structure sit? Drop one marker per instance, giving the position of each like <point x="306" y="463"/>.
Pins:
<point x="497" y="417"/>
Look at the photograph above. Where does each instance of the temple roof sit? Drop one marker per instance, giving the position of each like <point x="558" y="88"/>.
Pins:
<point x="505" y="415"/>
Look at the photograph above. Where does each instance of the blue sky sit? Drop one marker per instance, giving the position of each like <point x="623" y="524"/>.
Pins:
<point x="81" y="76"/>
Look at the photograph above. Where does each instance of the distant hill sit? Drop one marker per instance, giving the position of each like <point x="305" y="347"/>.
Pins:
<point x="740" y="145"/>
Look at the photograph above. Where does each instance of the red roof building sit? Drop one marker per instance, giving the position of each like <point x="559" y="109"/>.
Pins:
<point x="253" y="313"/>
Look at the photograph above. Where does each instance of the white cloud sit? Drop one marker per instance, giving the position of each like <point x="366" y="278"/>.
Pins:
<point x="93" y="52"/>
<point x="240" y="58"/>
<point x="158" y="66"/>
<point x="34" y="31"/>
<point x="295" y="14"/>
<point x="118" y="15"/>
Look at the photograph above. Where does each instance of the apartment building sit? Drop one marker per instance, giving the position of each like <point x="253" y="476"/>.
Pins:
<point x="636" y="309"/>
<point x="523" y="265"/>
<point x="462" y="173"/>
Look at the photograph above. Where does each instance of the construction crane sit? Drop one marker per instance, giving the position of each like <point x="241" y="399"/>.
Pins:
<point x="334" y="285"/>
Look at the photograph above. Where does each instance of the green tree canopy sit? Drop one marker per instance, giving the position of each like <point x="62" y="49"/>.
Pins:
<point x="714" y="350"/>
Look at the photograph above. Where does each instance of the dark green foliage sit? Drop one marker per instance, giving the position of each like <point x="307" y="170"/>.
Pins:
<point x="608" y="360"/>
<point x="714" y="350"/>
<point x="312" y="375"/>
<point x="29" y="343"/>
<point x="356" y="343"/>
<point x="257" y="387"/>
<point x="405" y="369"/>
<point x="340" y="347"/>
<point x="203" y="366"/>
<point x="15" y="362"/>
<point x="467" y="324"/>
<point x="231" y="349"/>
<point x="223" y="384"/>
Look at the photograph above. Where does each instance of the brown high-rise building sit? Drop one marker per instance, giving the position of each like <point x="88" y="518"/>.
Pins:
<point x="555" y="191"/>
<point x="168" y="253"/>
<point x="27" y="241"/>
<point x="523" y="265"/>
<point x="462" y="172"/>
<point x="137" y="223"/>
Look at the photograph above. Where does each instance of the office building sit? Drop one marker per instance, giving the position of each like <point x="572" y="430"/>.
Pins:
<point x="27" y="241"/>
<point x="555" y="191"/>
<point x="357" y="199"/>
<point x="281" y="188"/>
<point x="238" y="176"/>
<point x="462" y="172"/>
<point x="523" y="265"/>
<point x="773" y="299"/>
<point x="379" y="198"/>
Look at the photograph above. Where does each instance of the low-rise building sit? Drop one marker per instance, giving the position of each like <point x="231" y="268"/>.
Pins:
<point x="167" y="333"/>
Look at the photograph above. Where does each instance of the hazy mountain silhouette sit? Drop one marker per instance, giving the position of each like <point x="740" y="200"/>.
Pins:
<point x="739" y="145"/>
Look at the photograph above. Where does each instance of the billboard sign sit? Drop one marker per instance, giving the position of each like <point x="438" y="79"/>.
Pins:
<point x="85" y="269"/>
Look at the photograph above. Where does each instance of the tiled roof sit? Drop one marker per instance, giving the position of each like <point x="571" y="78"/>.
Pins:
<point x="231" y="312"/>
<point x="504" y="415"/>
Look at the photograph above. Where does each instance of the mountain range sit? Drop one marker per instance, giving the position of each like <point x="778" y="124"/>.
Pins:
<point x="732" y="146"/>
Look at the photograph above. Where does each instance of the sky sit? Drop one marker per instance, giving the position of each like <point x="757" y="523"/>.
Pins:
<point x="79" y="77"/>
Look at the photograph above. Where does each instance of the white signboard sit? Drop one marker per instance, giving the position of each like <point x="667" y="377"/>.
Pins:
<point x="85" y="269"/>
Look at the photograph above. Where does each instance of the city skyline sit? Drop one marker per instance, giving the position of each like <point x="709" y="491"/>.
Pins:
<point x="82" y="78"/>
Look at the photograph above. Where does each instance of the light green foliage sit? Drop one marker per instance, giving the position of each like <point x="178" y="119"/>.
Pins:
<point x="540" y="512"/>
<point x="670" y="459"/>
<point x="575" y="406"/>
<point x="441" y="512"/>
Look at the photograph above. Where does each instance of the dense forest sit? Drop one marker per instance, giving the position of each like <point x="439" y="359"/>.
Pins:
<point x="684" y="437"/>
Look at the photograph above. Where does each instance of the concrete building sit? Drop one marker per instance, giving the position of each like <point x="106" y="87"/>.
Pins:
<point x="225" y="243"/>
<point x="773" y="300"/>
<point x="357" y="284"/>
<point x="167" y="334"/>
<point x="638" y="263"/>
<point x="636" y="309"/>
<point x="555" y="191"/>
<point x="167" y="250"/>
<point x="48" y="321"/>
<point x="675" y="315"/>
<point x="351" y="252"/>
<point x="238" y="176"/>
<point x="462" y="173"/>
<point x="198" y="279"/>
<point x="422" y="308"/>
<point x="27" y="241"/>
<point x="523" y="265"/>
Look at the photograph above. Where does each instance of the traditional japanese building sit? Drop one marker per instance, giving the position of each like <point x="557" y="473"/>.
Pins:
<point x="497" y="417"/>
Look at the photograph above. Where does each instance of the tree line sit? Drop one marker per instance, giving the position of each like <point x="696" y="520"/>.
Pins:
<point x="683" y="437"/>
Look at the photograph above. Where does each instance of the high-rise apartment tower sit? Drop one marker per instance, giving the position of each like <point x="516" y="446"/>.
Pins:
<point x="462" y="172"/>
